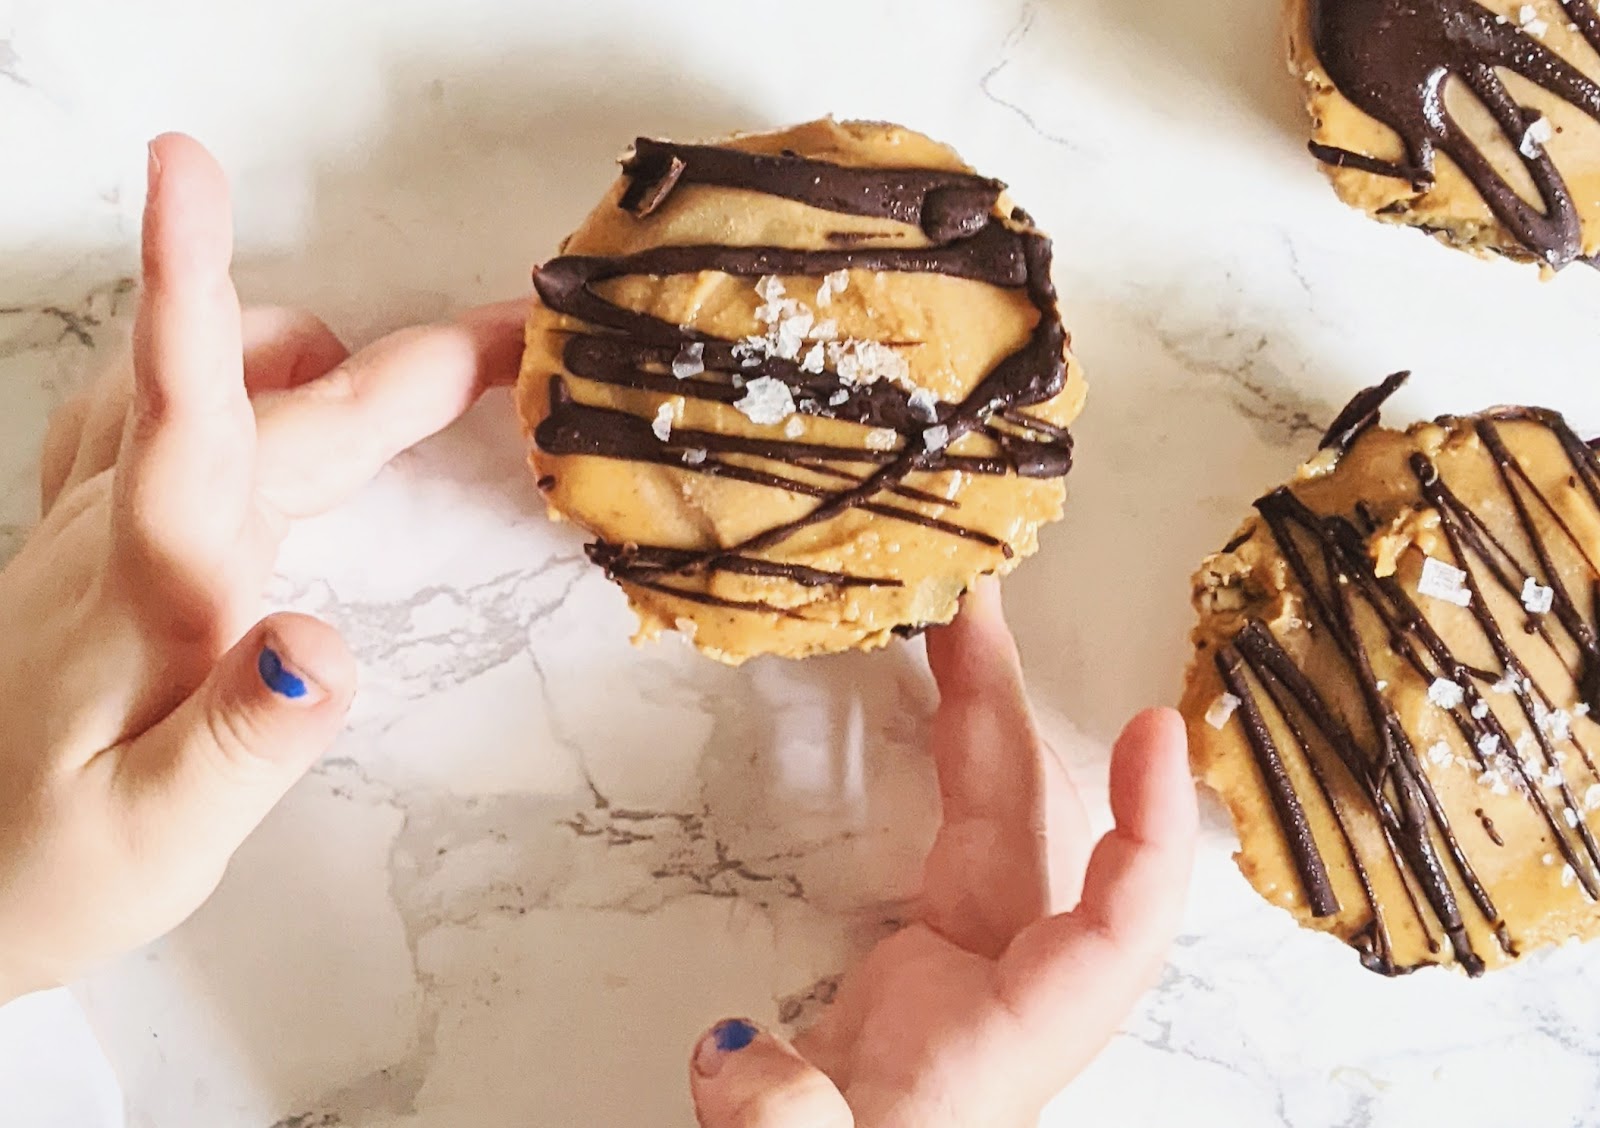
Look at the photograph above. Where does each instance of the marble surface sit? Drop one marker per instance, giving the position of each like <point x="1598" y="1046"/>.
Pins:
<point x="540" y="861"/>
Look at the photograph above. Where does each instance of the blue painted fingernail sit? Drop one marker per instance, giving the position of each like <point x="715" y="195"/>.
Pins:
<point x="733" y="1035"/>
<point x="278" y="679"/>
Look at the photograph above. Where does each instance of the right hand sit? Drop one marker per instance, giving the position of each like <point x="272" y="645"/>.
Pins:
<point x="1032" y="942"/>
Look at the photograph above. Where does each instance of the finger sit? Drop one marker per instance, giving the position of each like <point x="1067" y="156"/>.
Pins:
<point x="183" y="480"/>
<point x="208" y="773"/>
<point x="61" y="449"/>
<point x="743" y="1077"/>
<point x="1098" y="959"/>
<point x="321" y="442"/>
<point x="285" y="348"/>
<point x="988" y="874"/>
<point x="100" y="437"/>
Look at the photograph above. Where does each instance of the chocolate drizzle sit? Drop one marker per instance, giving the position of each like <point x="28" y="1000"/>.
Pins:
<point x="1368" y="748"/>
<point x="627" y="348"/>
<point x="1393" y="59"/>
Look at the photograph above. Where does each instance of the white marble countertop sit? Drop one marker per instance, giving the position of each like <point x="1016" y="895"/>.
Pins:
<point x="541" y="861"/>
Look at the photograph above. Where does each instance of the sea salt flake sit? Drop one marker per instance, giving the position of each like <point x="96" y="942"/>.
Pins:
<point x="662" y="423"/>
<point x="1535" y="137"/>
<point x="1488" y="744"/>
<point x="936" y="438"/>
<point x="1568" y="875"/>
<point x="1440" y="753"/>
<point x="1548" y="859"/>
<point x="1528" y="19"/>
<point x="881" y="438"/>
<point x="1382" y="685"/>
<point x="1222" y="710"/>
<point x="750" y="351"/>
<point x="694" y="457"/>
<point x="770" y="287"/>
<point x="1446" y="694"/>
<point x="690" y="361"/>
<point x="1591" y="797"/>
<point x="924" y="407"/>
<point x="835" y="283"/>
<point x="1558" y="723"/>
<point x="766" y="401"/>
<point x="813" y="361"/>
<point x="1444" y="581"/>
<point x="794" y="428"/>
<point x="1480" y="710"/>
<point x="1506" y="684"/>
<point x="1570" y="815"/>
<point x="839" y="398"/>
<point x="1537" y="598"/>
<point x="825" y="331"/>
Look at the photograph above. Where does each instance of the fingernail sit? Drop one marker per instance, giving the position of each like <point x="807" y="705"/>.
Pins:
<point x="280" y="677"/>
<point x="153" y="170"/>
<point x="724" y="1038"/>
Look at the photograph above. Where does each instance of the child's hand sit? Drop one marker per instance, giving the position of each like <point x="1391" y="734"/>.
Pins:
<point x="149" y="721"/>
<point x="989" y="1004"/>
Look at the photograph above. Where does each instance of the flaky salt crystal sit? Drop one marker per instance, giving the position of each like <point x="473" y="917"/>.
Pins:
<point x="1440" y="753"/>
<point x="881" y="438"/>
<point x="1591" y="797"/>
<point x="1534" y="139"/>
<point x="1570" y="815"/>
<point x="835" y="283"/>
<point x="813" y="360"/>
<point x="1480" y="710"/>
<point x="924" y="407"/>
<point x="936" y="438"/>
<point x="770" y="287"/>
<point x="766" y="401"/>
<point x="1445" y="693"/>
<point x="794" y="428"/>
<point x="694" y="457"/>
<point x="825" y="331"/>
<point x="1488" y="744"/>
<point x="690" y="361"/>
<point x="1444" y="581"/>
<point x="839" y="398"/>
<point x="1222" y="709"/>
<point x="662" y="423"/>
<point x="1568" y="875"/>
<point x="1537" y="598"/>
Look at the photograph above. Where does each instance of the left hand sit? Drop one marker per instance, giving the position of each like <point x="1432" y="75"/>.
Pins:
<point x="1031" y="944"/>
<point x="148" y="721"/>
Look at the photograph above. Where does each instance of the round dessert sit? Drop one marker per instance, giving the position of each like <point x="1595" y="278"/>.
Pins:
<point x="1474" y="120"/>
<point x="1398" y="664"/>
<point x="804" y="387"/>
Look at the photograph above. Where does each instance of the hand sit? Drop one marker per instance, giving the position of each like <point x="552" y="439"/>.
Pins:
<point x="1032" y="942"/>
<point x="148" y="721"/>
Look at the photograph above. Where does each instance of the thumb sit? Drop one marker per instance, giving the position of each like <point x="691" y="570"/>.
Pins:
<point x="219" y="762"/>
<point x="742" y="1077"/>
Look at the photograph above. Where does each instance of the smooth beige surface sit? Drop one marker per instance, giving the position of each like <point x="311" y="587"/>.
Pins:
<point x="1451" y="208"/>
<point x="951" y="333"/>
<point x="1540" y="903"/>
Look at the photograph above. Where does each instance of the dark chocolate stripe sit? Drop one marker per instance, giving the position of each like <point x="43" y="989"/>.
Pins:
<point x="946" y="205"/>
